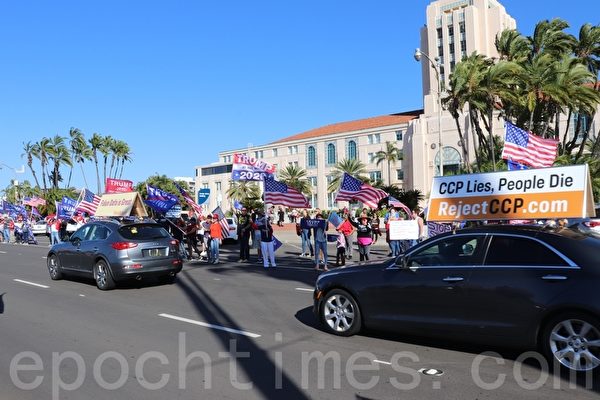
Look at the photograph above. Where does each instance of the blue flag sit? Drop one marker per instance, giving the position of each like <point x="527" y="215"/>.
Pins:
<point x="276" y="244"/>
<point x="514" y="166"/>
<point x="335" y="219"/>
<point x="237" y="205"/>
<point x="159" y="200"/>
<point x="66" y="207"/>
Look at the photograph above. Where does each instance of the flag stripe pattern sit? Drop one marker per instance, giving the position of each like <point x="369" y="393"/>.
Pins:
<point x="89" y="203"/>
<point x="222" y="221"/>
<point x="281" y="194"/>
<point x="525" y="148"/>
<point x="195" y="206"/>
<point x="353" y="189"/>
<point x="394" y="202"/>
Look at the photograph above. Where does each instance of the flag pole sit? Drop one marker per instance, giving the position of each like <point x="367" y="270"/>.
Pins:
<point x="266" y="211"/>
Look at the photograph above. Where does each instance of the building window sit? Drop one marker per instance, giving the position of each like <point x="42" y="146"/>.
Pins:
<point x="227" y="159"/>
<point x="375" y="176"/>
<point x="352" y="155"/>
<point x="371" y="157"/>
<point x="374" y="139"/>
<point x="274" y="152"/>
<point x="293" y="163"/>
<point x="461" y="27"/>
<point x="205" y="185"/>
<point x="450" y="29"/>
<point x="400" y="174"/>
<point x="331" y="203"/>
<point x="258" y="154"/>
<point x="398" y="135"/>
<point x="439" y="33"/>
<point x="311" y="157"/>
<point x="314" y="200"/>
<point x="331" y="154"/>
<point x="293" y="149"/>
<point x="313" y="181"/>
<point x="218" y="186"/>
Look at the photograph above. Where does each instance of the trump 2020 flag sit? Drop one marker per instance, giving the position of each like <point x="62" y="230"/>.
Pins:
<point x="159" y="200"/>
<point x="525" y="148"/>
<point x="281" y="194"/>
<point x="353" y="189"/>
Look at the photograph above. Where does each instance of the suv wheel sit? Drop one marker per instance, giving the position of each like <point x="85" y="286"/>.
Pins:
<point x="102" y="276"/>
<point x="340" y="313"/>
<point x="573" y="341"/>
<point x="54" y="268"/>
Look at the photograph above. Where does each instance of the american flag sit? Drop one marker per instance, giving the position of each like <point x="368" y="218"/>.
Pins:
<point x="89" y="202"/>
<point x="222" y="221"/>
<point x="281" y="194"/>
<point x="353" y="189"/>
<point x="394" y="202"/>
<point x="34" y="201"/>
<point x="525" y="148"/>
<point x="195" y="206"/>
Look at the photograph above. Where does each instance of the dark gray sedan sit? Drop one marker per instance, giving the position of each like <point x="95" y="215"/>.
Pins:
<point x="525" y="287"/>
<point x="112" y="251"/>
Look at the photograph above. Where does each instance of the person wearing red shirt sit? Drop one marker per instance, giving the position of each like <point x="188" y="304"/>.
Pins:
<point x="216" y="235"/>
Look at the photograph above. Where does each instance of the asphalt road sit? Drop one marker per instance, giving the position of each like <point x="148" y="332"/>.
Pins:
<point x="228" y="331"/>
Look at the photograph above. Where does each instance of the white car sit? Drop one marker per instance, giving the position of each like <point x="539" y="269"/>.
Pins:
<point x="38" y="227"/>
<point x="232" y="229"/>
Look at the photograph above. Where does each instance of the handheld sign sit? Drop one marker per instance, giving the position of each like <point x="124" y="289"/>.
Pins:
<point x="545" y="193"/>
<point x="307" y="223"/>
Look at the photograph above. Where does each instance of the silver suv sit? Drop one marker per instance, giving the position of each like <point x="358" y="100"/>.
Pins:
<point x="112" y="251"/>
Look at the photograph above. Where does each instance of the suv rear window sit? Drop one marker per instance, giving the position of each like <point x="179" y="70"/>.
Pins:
<point x="143" y="232"/>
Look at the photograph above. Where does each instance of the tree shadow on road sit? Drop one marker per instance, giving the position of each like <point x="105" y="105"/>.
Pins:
<point x="2" y="303"/>
<point x="259" y="367"/>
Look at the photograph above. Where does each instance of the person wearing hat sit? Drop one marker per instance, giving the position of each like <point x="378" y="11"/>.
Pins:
<point x="363" y="236"/>
<point x="208" y="220"/>
<point x="244" y="230"/>
<point x="216" y="237"/>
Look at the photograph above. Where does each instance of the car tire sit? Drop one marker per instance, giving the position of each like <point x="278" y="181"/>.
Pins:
<point x="102" y="276"/>
<point x="54" y="268"/>
<point x="566" y="341"/>
<point x="340" y="313"/>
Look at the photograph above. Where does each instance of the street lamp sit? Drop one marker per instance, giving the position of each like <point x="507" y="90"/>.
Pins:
<point x="435" y="63"/>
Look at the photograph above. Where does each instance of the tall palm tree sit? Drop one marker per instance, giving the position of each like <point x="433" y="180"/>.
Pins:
<point x="353" y="167"/>
<point x="59" y="154"/>
<point x="296" y="177"/>
<point x="512" y="46"/>
<point x="125" y="154"/>
<point x="587" y="48"/>
<point x="120" y="154"/>
<point x="40" y="151"/>
<point x="106" y="150"/>
<point x="391" y="154"/>
<point x="96" y="142"/>
<point x="549" y="37"/>
<point x="30" y="152"/>
<point x="75" y="144"/>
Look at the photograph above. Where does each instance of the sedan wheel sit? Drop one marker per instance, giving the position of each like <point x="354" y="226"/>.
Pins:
<point x="574" y="341"/>
<point x="54" y="268"/>
<point x="340" y="313"/>
<point x="102" y="276"/>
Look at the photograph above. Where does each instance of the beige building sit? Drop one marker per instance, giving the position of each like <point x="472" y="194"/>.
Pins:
<point x="454" y="29"/>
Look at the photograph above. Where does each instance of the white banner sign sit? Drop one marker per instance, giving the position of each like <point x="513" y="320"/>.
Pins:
<point x="404" y="230"/>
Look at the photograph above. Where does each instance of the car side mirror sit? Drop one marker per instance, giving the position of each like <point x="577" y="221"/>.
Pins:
<point x="402" y="262"/>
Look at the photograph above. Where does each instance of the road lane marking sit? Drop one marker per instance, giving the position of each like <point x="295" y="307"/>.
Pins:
<point x="382" y="362"/>
<point x="2" y="252"/>
<point x="206" y="325"/>
<point x="31" y="283"/>
<point x="305" y="289"/>
<point x="82" y="295"/>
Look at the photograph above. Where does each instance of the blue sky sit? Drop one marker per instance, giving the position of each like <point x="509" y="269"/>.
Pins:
<point x="182" y="80"/>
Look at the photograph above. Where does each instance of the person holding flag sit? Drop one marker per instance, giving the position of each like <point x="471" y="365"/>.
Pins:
<point x="216" y="237"/>
<point x="266" y="242"/>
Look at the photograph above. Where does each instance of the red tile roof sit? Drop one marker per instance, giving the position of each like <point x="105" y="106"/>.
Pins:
<point x="357" y="125"/>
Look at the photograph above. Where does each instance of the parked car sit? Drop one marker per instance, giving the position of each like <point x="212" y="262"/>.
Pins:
<point x="232" y="229"/>
<point x="520" y="286"/>
<point x="38" y="227"/>
<point x="111" y="251"/>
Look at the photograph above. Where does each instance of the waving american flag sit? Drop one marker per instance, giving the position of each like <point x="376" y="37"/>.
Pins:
<point x="353" y="189"/>
<point x="281" y="194"/>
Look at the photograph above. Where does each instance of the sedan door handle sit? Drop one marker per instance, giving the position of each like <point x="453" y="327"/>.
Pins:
<point x="554" y="278"/>
<point x="453" y="279"/>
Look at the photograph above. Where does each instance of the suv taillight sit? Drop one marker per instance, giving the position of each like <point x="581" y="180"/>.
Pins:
<point x="123" y="245"/>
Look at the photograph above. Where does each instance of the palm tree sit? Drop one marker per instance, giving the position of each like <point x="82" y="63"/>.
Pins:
<point x="96" y="142"/>
<point x="29" y="152"/>
<point x="550" y="38"/>
<point x="121" y="153"/>
<point x="106" y="150"/>
<point x="125" y="155"/>
<point x="40" y="151"/>
<point x="59" y="154"/>
<point x="512" y="46"/>
<point x="296" y="177"/>
<point x="243" y="190"/>
<point x="587" y="48"/>
<point x="76" y="143"/>
<point x="391" y="154"/>
<point x="353" y="167"/>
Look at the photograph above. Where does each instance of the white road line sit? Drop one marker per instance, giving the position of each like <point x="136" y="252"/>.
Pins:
<point x="82" y="295"/>
<point x="2" y="252"/>
<point x="301" y="289"/>
<point x="31" y="283"/>
<point x="206" y="325"/>
<point x="382" y="362"/>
